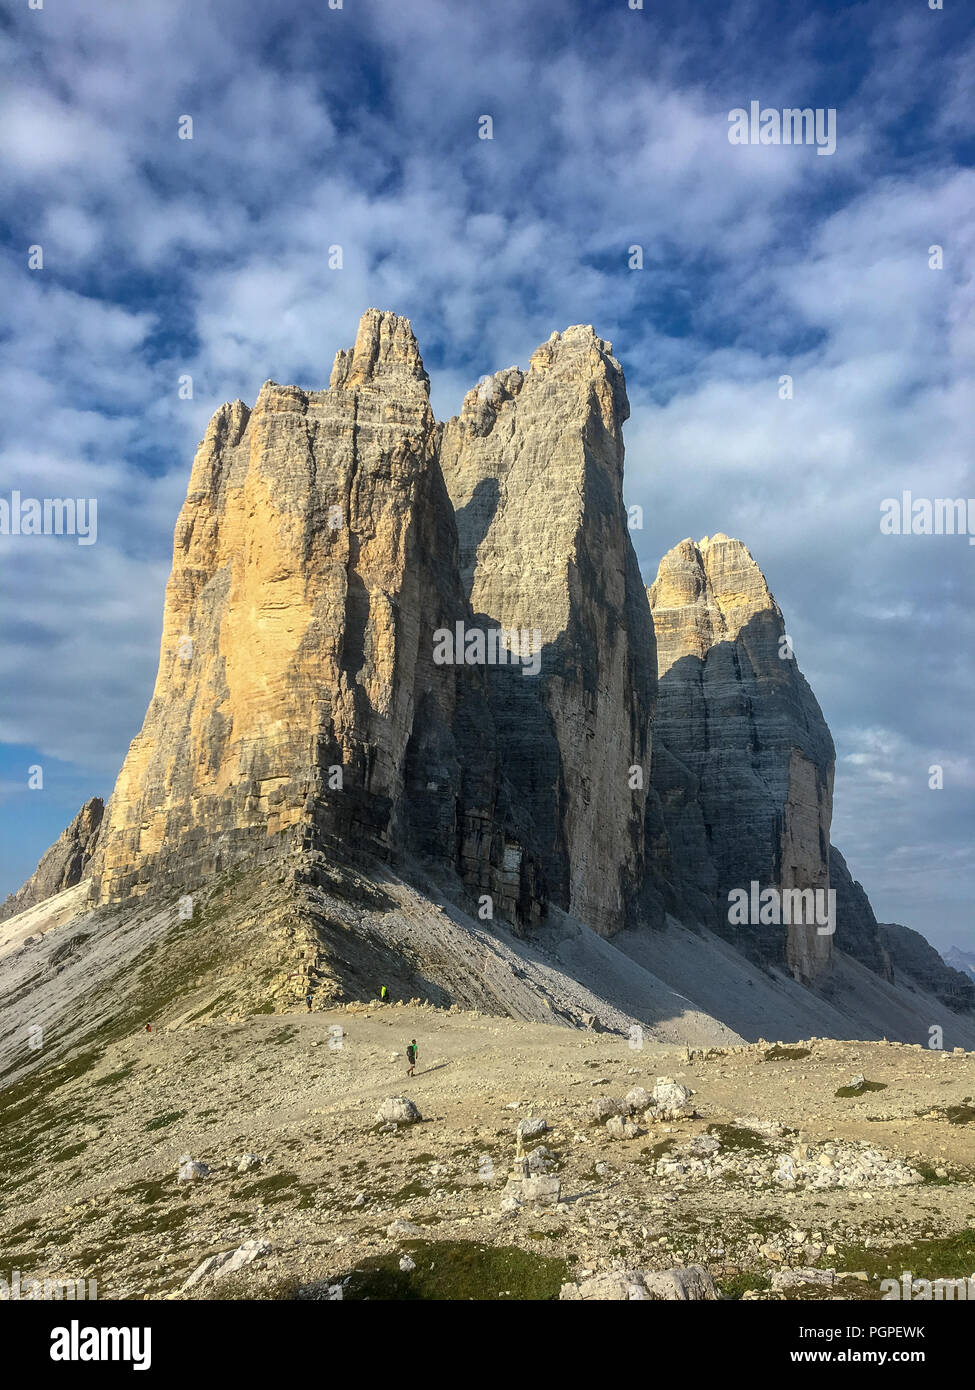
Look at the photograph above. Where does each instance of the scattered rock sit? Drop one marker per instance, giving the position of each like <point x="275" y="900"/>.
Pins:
<point x="532" y="1190"/>
<point x="601" y="1108"/>
<point x="229" y="1262"/>
<point x="681" y="1284"/>
<point x="540" y="1160"/>
<point x="789" y="1278"/>
<point x="531" y="1128"/>
<point x="190" y="1170"/>
<point x="671" y="1096"/>
<point x="397" y="1110"/>
<point x="403" y="1230"/>
<point x="618" y="1128"/>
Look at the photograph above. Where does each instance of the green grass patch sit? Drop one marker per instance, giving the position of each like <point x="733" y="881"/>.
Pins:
<point x="411" y="1192"/>
<point x="159" y="1222"/>
<point x="244" y="1288"/>
<point x="931" y="1177"/>
<point x="944" y="1257"/>
<point x="458" y="1271"/>
<point x="26" y="1228"/>
<point x="72" y="1151"/>
<point x="59" y="1238"/>
<point x="845" y="1092"/>
<point x="739" y="1137"/>
<point x="733" y="1286"/>
<point x="211" y="1008"/>
<point x="786" y="1054"/>
<point x="164" y="1121"/>
<point x="283" y="1035"/>
<point x="114" y="1077"/>
<point x="151" y="1190"/>
<point x="277" y="1188"/>
<point x="656" y="1151"/>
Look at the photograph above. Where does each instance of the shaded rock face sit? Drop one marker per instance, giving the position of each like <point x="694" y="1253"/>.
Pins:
<point x="910" y="954"/>
<point x="297" y="698"/>
<point x="858" y="932"/>
<point x="64" y="864"/>
<point x="743" y="762"/>
<point x="534" y="467"/>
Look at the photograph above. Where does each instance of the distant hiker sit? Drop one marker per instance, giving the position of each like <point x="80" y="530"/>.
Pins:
<point x="148" y="1027"/>
<point x="411" y="1057"/>
<point x="382" y="994"/>
<point x="308" y="1000"/>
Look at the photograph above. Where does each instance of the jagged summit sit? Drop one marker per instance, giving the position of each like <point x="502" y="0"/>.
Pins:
<point x="746" y="773"/>
<point x="706" y="592"/>
<point x="575" y="367"/>
<point x="534" y="466"/>
<point x="385" y="350"/>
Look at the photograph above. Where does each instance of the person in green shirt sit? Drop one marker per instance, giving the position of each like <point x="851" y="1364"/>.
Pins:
<point x="411" y="1057"/>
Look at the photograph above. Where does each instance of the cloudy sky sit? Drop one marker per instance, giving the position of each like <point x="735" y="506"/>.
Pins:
<point x="358" y="127"/>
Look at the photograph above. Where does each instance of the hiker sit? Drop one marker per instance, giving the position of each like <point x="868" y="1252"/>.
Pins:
<point x="411" y="1057"/>
<point x="308" y="1000"/>
<point x="148" y="1027"/>
<point x="382" y="994"/>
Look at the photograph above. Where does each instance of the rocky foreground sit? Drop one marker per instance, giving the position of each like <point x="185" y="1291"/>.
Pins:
<point x="266" y="1158"/>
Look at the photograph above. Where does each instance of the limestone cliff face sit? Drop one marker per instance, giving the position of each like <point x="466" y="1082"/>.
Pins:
<point x="744" y="768"/>
<point x="297" y="694"/>
<point x="65" y="863"/>
<point x="534" y="467"/>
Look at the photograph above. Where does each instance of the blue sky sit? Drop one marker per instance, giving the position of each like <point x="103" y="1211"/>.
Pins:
<point x="358" y="127"/>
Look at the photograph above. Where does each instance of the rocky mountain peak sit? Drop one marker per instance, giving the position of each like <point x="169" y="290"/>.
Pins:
<point x="63" y="865"/>
<point x="533" y="465"/>
<point x="388" y="639"/>
<point x="705" y="592"/>
<point x="385" y="351"/>
<point x="744" y="767"/>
